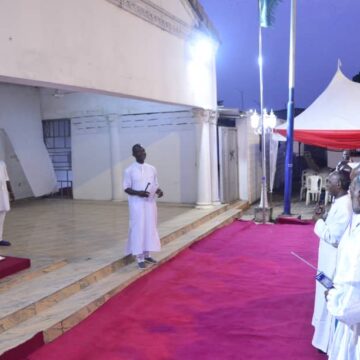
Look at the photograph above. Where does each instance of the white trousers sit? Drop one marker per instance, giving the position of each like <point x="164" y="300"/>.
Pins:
<point x="2" y="219"/>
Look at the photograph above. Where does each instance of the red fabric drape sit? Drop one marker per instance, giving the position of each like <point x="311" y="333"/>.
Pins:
<point x="331" y="139"/>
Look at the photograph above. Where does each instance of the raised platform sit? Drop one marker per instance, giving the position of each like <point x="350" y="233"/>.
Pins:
<point x="54" y="298"/>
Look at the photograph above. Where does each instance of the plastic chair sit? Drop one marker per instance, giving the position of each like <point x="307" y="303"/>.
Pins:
<point x="313" y="188"/>
<point x="304" y="174"/>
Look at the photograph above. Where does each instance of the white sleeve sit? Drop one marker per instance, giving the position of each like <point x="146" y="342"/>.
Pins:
<point x="331" y="232"/>
<point x="127" y="183"/>
<point x="344" y="302"/>
<point x="344" y="298"/>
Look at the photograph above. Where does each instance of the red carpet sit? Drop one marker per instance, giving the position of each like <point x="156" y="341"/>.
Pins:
<point x="238" y="294"/>
<point x="11" y="265"/>
<point x="20" y="352"/>
<point x="294" y="221"/>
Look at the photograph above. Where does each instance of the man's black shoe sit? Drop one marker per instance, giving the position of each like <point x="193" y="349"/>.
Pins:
<point x="141" y="265"/>
<point x="150" y="260"/>
<point x="5" y="243"/>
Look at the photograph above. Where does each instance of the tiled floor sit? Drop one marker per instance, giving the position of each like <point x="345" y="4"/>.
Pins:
<point x="49" y="229"/>
<point x="70" y="229"/>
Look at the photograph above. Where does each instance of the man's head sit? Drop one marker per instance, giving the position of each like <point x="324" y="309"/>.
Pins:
<point x="337" y="182"/>
<point x="346" y="155"/>
<point x="355" y="194"/>
<point x="139" y="153"/>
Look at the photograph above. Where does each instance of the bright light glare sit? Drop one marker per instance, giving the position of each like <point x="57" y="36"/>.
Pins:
<point x="202" y="50"/>
<point x="272" y="120"/>
<point x="269" y="120"/>
<point x="255" y="119"/>
<point x="260" y="61"/>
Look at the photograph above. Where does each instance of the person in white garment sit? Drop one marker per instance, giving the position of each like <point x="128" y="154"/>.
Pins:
<point x="6" y="194"/>
<point x="141" y="185"/>
<point x="330" y="232"/>
<point x="346" y="164"/>
<point x="343" y="300"/>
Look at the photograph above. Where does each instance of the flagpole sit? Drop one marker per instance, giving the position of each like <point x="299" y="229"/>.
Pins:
<point x="290" y="113"/>
<point x="264" y="200"/>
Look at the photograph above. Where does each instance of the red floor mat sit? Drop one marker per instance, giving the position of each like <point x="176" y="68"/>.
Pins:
<point x="11" y="265"/>
<point x="238" y="294"/>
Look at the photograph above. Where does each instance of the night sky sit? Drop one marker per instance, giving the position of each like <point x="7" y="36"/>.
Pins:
<point x="326" y="30"/>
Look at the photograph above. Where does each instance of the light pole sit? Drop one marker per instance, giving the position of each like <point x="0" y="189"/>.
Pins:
<point x="263" y="124"/>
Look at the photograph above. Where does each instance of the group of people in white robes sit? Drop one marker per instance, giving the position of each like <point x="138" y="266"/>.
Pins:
<point x="336" y="318"/>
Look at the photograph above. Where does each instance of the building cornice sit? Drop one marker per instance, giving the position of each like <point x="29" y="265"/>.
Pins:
<point x="155" y="15"/>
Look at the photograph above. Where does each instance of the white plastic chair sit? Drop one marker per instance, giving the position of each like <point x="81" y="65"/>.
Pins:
<point x="313" y="188"/>
<point x="304" y="174"/>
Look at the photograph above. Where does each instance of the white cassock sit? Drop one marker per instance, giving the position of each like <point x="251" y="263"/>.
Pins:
<point x="330" y="233"/>
<point x="143" y="234"/>
<point x="344" y="300"/>
<point x="4" y="196"/>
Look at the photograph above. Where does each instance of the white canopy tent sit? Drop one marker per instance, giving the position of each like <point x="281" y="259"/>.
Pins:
<point x="333" y="119"/>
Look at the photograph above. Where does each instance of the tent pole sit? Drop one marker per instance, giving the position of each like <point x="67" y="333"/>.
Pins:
<point x="290" y="114"/>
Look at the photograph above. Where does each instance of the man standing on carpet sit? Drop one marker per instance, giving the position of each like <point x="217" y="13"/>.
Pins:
<point x="344" y="298"/>
<point x="6" y="194"/>
<point x="330" y="232"/>
<point x="141" y="184"/>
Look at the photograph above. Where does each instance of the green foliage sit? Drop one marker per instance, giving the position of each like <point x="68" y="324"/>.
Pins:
<point x="267" y="9"/>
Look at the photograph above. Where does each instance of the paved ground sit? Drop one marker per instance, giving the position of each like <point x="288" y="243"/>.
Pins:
<point x="298" y="208"/>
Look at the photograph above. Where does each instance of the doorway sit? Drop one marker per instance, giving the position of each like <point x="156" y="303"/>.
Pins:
<point x="57" y="139"/>
<point x="228" y="160"/>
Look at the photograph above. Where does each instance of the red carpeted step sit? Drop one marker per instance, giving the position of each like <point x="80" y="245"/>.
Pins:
<point x="11" y="265"/>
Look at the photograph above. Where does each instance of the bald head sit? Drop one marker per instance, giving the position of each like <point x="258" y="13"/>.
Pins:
<point x="337" y="183"/>
<point x="346" y="155"/>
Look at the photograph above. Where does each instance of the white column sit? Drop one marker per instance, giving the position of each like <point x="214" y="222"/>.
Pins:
<point x="243" y="157"/>
<point x="116" y="175"/>
<point x="203" y="158"/>
<point x="215" y="198"/>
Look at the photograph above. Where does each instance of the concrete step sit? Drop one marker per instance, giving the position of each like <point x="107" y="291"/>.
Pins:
<point x="31" y="297"/>
<point x="42" y="267"/>
<point x="69" y="310"/>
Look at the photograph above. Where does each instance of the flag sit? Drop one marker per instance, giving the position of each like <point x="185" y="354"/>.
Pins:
<point x="267" y="8"/>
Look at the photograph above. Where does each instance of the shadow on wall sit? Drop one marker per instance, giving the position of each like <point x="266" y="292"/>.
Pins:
<point x="20" y="184"/>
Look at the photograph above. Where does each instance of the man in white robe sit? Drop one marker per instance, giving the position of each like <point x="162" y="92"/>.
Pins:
<point x="343" y="300"/>
<point x="330" y="232"/>
<point x="141" y="185"/>
<point x="5" y="195"/>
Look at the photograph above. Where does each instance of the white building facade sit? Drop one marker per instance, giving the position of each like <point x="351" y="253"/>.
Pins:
<point x="121" y="72"/>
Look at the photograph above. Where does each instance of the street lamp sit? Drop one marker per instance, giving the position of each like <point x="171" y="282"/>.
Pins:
<point x="263" y="124"/>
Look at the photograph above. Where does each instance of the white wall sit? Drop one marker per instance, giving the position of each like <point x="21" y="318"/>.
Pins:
<point x="21" y="120"/>
<point x="19" y="183"/>
<point x="60" y="105"/>
<point x="167" y="132"/>
<point x="171" y="148"/>
<point x="93" y="45"/>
